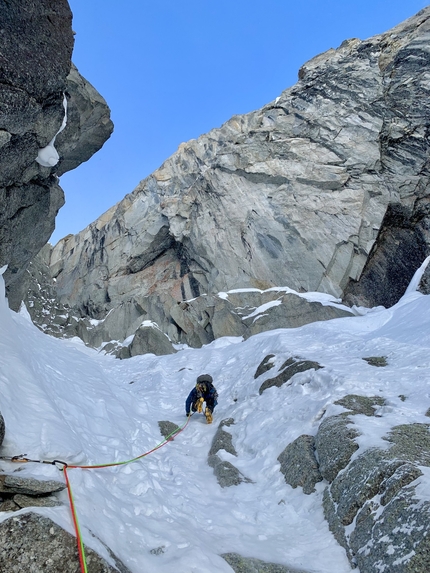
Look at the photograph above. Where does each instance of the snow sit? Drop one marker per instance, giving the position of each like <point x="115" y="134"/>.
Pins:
<point x="322" y="298"/>
<point x="259" y="311"/>
<point x="62" y="400"/>
<point x="48" y="156"/>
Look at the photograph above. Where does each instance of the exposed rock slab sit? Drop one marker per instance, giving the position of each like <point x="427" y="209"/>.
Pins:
<point x="30" y="542"/>
<point x="361" y="404"/>
<point x="372" y="504"/>
<point x="23" y="501"/>
<point x="12" y="483"/>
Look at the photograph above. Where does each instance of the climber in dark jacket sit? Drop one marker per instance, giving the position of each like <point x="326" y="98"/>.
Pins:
<point x="203" y="392"/>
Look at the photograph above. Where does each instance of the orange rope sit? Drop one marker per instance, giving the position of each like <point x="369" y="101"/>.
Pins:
<point x="81" y="550"/>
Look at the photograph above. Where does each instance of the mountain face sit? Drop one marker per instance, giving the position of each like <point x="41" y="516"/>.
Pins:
<point x="323" y="189"/>
<point x="40" y="93"/>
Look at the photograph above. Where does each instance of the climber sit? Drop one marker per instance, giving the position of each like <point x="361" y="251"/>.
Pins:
<point x="203" y="392"/>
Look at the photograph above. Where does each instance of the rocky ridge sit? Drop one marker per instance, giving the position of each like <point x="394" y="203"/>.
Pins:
<point x="323" y="189"/>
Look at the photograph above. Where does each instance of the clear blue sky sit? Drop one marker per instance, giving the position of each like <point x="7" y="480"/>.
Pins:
<point x="171" y="70"/>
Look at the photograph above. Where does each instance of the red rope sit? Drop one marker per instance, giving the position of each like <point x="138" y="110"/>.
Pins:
<point x="81" y="550"/>
<point x="169" y="438"/>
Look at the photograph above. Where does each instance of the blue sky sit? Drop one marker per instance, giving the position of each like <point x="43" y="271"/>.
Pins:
<point x="171" y="70"/>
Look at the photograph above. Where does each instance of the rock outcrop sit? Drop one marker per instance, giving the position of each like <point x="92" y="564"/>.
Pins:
<point x="51" y="120"/>
<point x="225" y="472"/>
<point x="31" y="542"/>
<point x="372" y="502"/>
<point x="36" y="83"/>
<point x="2" y="428"/>
<point x="299" y="464"/>
<point x="19" y="492"/>
<point x="290" y="367"/>
<point x="319" y="190"/>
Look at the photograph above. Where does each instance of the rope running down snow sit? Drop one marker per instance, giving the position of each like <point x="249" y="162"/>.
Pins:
<point x="81" y="550"/>
<point x="64" y="466"/>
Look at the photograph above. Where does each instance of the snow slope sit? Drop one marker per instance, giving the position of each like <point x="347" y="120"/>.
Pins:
<point x="61" y="400"/>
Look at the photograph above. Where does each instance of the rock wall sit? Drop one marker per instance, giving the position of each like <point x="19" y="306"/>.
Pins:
<point x="35" y="76"/>
<point x="300" y="193"/>
<point x="147" y="326"/>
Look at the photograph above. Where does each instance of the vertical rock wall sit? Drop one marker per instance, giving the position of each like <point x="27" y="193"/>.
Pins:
<point x="35" y="76"/>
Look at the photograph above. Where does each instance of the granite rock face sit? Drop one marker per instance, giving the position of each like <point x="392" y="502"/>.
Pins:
<point x="323" y="189"/>
<point x="30" y="542"/>
<point x="145" y="325"/>
<point x="374" y="503"/>
<point x="35" y="79"/>
<point x="299" y="464"/>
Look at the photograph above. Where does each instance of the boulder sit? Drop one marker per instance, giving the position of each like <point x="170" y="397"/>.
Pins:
<point x="335" y="444"/>
<point x="299" y="464"/>
<point x="167" y="428"/>
<point x="30" y="542"/>
<point x="150" y="339"/>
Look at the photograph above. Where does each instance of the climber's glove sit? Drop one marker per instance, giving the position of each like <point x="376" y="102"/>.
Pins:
<point x="199" y="405"/>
